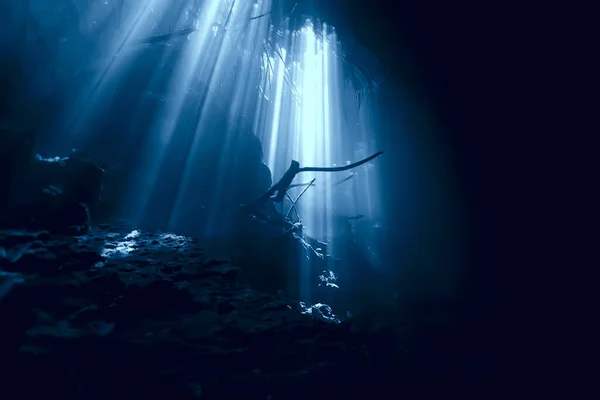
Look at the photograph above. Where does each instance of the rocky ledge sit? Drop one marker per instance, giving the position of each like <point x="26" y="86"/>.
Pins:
<point x="119" y="312"/>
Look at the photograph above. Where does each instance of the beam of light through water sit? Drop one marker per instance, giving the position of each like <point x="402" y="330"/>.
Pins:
<point x="299" y="114"/>
<point x="287" y="86"/>
<point x="301" y="117"/>
<point x="212" y="66"/>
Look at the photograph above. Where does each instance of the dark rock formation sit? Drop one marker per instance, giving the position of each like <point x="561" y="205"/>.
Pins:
<point x="55" y="194"/>
<point x="119" y="312"/>
<point x="138" y="314"/>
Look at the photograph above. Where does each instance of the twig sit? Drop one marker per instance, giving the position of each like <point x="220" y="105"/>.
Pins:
<point x="344" y="180"/>
<point x="296" y="226"/>
<point x="293" y="206"/>
<point x="261" y="15"/>
<point x="301" y="184"/>
<point x="294" y="8"/>
<point x="278" y="188"/>
<point x="298" y="198"/>
<point x="230" y="14"/>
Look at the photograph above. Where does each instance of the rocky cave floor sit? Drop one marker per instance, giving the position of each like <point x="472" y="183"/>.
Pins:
<point x="119" y="312"/>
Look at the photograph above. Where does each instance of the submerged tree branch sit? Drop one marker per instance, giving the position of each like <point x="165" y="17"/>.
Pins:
<point x="298" y="198"/>
<point x="278" y="190"/>
<point x="292" y="207"/>
<point x="343" y="167"/>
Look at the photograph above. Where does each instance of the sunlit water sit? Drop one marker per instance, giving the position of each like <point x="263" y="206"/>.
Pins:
<point x="290" y="83"/>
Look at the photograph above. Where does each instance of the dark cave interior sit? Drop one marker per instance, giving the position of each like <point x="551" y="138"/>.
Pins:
<point x="112" y="282"/>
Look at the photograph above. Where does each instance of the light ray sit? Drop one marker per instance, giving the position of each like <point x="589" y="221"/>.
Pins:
<point x="285" y="85"/>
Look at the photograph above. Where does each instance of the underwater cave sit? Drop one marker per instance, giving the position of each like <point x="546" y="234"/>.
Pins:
<point x="219" y="198"/>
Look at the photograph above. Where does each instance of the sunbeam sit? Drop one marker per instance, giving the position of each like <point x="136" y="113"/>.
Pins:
<point x="300" y="117"/>
<point x="213" y="180"/>
<point x="224" y="57"/>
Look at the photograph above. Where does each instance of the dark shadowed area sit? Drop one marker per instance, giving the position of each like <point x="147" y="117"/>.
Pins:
<point x="271" y="199"/>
